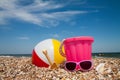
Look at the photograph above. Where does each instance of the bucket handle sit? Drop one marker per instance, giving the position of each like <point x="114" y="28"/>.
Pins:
<point x="60" y="49"/>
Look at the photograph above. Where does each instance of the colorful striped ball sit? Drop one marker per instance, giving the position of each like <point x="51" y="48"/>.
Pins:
<point x="52" y="47"/>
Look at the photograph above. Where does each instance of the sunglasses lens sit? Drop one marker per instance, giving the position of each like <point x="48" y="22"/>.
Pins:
<point x="86" y="65"/>
<point x="71" y="66"/>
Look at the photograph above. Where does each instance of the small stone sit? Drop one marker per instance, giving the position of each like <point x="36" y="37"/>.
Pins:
<point x="82" y="78"/>
<point x="118" y="73"/>
<point x="109" y="70"/>
<point x="109" y="76"/>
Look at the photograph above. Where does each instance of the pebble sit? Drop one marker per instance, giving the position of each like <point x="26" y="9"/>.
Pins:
<point x="21" y="68"/>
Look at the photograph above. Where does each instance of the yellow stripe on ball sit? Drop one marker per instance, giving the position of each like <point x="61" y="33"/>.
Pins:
<point x="57" y="57"/>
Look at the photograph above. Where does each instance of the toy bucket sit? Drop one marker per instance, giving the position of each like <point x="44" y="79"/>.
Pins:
<point x="77" y="48"/>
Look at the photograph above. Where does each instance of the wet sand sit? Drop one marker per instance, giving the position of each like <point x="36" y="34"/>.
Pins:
<point x="21" y="68"/>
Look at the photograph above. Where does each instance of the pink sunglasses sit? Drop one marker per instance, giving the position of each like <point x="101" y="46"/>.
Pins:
<point x="84" y="65"/>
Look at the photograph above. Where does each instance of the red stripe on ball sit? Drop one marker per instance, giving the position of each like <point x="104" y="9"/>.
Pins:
<point x="37" y="61"/>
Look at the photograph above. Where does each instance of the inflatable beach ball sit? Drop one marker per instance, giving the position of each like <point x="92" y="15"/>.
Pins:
<point x="52" y="47"/>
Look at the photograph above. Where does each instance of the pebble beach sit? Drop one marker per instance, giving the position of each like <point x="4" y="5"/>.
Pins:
<point x="21" y="68"/>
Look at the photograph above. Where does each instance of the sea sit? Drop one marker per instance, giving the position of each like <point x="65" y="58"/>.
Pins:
<point x="104" y="54"/>
<point x="107" y="54"/>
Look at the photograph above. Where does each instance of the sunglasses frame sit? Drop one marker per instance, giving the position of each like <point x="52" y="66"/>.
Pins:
<point x="78" y="64"/>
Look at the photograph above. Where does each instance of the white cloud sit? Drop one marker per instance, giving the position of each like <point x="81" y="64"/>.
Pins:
<point x="23" y="38"/>
<point x="6" y="4"/>
<point x="63" y="14"/>
<point x="41" y="6"/>
<point x="27" y="17"/>
<point x="36" y="12"/>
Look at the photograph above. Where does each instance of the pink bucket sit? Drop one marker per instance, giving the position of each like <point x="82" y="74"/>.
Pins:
<point x="77" y="48"/>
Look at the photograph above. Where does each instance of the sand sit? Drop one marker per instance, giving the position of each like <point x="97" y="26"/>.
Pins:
<point x="21" y="68"/>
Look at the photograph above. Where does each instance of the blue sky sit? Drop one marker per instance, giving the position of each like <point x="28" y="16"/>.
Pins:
<point x="24" y="23"/>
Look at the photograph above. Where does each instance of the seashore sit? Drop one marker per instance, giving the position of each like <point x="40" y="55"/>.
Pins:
<point x="21" y="68"/>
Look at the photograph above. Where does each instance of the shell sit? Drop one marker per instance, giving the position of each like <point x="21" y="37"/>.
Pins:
<point x="100" y="68"/>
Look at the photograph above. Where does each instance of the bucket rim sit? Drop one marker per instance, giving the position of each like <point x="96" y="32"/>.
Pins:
<point x="79" y="38"/>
